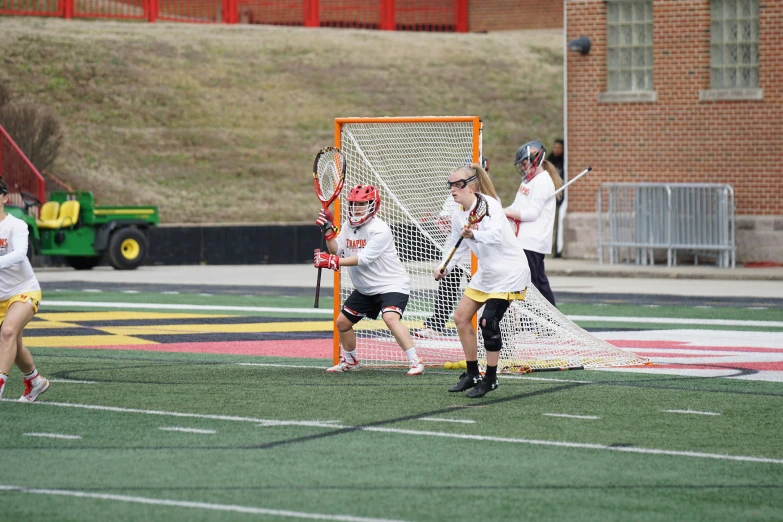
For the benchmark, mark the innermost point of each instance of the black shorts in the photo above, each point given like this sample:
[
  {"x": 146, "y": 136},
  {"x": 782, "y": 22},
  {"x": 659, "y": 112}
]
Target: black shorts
[{"x": 358, "y": 306}]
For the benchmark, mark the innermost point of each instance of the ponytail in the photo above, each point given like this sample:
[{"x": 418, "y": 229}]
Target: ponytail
[{"x": 556, "y": 179}]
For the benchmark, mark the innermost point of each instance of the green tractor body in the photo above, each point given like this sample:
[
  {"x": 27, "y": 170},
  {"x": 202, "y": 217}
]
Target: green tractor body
[{"x": 83, "y": 233}]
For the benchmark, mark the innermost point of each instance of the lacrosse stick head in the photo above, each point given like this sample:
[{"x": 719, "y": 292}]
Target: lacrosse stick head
[
  {"x": 480, "y": 210},
  {"x": 328, "y": 174}
]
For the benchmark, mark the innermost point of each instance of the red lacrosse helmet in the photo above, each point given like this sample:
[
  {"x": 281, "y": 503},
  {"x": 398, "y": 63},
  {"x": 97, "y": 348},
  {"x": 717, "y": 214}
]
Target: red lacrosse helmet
[{"x": 362, "y": 194}]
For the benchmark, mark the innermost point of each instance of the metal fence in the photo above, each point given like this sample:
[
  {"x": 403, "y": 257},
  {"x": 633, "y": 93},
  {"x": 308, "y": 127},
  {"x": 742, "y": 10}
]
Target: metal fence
[
  {"x": 637, "y": 219},
  {"x": 19, "y": 174}
]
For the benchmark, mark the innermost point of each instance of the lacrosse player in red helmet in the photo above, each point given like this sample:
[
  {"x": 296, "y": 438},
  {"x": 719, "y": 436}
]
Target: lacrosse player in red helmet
[
  {"x": 534, "y": 208},
  {"x": 382, "y": 285},
  {"x": 500, "y": 278}
]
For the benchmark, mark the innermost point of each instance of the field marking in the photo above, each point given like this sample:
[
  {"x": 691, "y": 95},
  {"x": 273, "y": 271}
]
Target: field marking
[
  {"x": 675, "y": 320},
  {"x": 567, "y": 416},
  {"x": 581, "y": 445},
  {"x": 54, "y": 436},
  {"x": 459, "y": 421},
  {"x": 692, "y": 412},
  {"x": 116, "y": 409},
  {"x": 70, "y": 381},
  {"x": 331, "y": 425},
  {"x": 193, "y": 505},
  {"x": 188, "y": 430},
  {"x": 149, "y": 306},
  {"x": 273, "y": 365},
  {"x": 321, "y": 311}
]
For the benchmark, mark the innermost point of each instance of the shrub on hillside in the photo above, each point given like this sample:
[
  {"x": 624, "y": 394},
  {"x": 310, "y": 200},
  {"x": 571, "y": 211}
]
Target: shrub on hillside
[{"x": 37, "y": 131}]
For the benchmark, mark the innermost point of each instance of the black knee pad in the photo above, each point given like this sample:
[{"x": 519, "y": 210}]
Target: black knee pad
[{"x": 490, "y": 323}]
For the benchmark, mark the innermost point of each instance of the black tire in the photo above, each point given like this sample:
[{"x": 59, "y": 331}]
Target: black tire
[
  {"x": 127, "y": 248},
  {"x": 83, "y": 262}
]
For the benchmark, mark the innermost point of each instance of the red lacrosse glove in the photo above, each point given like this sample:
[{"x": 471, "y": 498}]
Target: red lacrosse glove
[
  {"x": 326, "y": 221},
  {"x": 325, "y": 260}
]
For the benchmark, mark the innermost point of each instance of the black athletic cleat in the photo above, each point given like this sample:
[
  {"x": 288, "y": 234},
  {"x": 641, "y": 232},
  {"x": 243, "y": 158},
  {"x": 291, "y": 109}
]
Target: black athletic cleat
[
  {"x": 466, "y": 381},
  {"x": 483, "y": 387}
]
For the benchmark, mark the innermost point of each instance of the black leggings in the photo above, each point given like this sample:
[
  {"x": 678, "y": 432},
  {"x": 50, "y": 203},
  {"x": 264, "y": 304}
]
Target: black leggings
[
  {"x": 445, "y": 300},
  {"x": 538, "y": 276}
]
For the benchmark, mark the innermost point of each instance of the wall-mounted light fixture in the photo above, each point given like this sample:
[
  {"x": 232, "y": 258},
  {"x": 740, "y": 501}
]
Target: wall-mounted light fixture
[{"x": 580, "y": 45}]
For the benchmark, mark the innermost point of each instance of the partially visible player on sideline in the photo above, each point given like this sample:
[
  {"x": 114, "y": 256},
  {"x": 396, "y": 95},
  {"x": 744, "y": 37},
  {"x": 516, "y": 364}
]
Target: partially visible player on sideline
[
  {"x": 20, "y": 294},
  {"x": 502, "y": 277},
  {"x": 534, "y": 208},
  {"x": 381, "y": 283},
  {"x": 448, "y": 288}
]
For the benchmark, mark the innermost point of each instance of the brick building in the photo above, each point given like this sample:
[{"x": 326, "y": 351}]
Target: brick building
[
  {"x": 499, "y": 15},
  {"x": 678, "y": 91}
]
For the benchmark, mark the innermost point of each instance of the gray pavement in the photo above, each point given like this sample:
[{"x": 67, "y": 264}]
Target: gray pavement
[{"x": 566, "y": 275}]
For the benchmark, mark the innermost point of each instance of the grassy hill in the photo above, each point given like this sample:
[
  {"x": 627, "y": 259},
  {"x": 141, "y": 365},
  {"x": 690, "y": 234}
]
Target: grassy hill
[{"x": 220, "y": 123}]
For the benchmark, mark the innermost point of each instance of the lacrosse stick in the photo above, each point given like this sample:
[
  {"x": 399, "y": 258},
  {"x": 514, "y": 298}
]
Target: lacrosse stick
[
  {"x": 588, "y": 169},
  {"x": 527, "y": 369},
  {"x": 328, "y": 180},
  {"x": 479, "y": 212}
]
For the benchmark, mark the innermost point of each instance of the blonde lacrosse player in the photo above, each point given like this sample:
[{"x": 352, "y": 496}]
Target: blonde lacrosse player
[
  {"x": 382, "y": 285},
  {"x": 502, "y": 274},
  {"x": 20, "y": 294}
]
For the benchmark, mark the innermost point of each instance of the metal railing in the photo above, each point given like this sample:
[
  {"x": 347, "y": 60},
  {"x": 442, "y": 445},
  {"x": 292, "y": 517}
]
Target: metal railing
[{"x": 636, "y": 219}]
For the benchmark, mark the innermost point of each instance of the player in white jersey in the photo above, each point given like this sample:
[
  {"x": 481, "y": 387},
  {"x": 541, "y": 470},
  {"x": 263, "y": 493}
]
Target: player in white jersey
[
  {"x": 534, "y": 209},
  {"x": 381, "y": 283},
  {"x": 502, "y": 276},
  {"x": 20, "y": 295},
  {"x": 448, "y": 292}
]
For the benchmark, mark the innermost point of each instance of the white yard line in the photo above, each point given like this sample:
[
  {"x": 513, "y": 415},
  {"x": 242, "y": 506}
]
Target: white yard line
[
  {"x": 150, "y": 306},
  {"x": 282, "y": 365},
  {"x": 54, "y": 436},
  {"x": 567, "y": 416},
  {"x": 188, "y": 430},
  {"x": 321, "y": 311},
  {"x": 69, "y": 381},
  {"x": 193, "y": 505},
  {"x": 692, "y": 412},
  {"x": 649, "y": 451},
  {"x": 329, "y": 424},
  {"x": 459, "y": 421}
]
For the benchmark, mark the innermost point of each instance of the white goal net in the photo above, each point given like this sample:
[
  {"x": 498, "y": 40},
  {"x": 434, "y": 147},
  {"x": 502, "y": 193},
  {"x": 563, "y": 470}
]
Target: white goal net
[{"x": 409, "y": 160}]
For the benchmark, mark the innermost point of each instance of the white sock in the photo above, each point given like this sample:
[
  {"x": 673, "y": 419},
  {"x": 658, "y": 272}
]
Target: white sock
[
  {"x": 33, "y": 376},
  {"x": 350, "y": 356},
  {"x": 412, "y": 355}
]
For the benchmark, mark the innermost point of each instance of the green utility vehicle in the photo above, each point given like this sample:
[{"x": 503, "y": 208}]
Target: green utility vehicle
[{"x": 73, "y": 227}]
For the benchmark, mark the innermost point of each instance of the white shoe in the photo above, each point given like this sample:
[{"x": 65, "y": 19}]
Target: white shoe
[
  {"x": 31, "y": 392},
  {"x": 417, "y": 368},
  {"x": 344, "y": 366},
  {"x": 425, "y": 333}
]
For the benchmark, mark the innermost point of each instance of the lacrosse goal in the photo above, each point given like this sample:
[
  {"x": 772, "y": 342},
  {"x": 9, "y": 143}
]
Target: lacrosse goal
[{"x": 409, "y": 160}]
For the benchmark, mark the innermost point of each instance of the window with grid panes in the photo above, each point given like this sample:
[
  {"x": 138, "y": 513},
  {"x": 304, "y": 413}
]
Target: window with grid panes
[
  {"x": 629, "y": 60},
  {"x": 734, "y": 44}
]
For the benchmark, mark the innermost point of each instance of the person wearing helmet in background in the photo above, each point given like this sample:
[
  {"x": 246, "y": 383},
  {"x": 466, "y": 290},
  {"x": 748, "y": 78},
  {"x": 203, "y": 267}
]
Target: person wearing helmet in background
[
  {"x": 448, "y": 293},
  {"x": 382, "y": 285},
  {"x": 534, "y": 209}
]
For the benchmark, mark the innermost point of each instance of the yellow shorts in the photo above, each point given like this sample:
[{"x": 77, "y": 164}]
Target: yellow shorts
[
  {"x": 33, "y": 298},
  {"x": 483, "y": 297}
]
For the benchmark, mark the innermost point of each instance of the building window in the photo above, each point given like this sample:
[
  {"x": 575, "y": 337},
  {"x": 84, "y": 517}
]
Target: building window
[
  {"x": 734, "y": 39},
  {"x": 629, "y": 61}
]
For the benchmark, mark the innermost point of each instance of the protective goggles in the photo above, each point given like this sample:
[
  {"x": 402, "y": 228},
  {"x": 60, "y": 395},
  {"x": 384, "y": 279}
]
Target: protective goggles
[{"x": 461, "y": 183}]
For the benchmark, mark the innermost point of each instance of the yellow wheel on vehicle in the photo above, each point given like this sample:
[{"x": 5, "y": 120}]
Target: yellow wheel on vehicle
[{"x": 130, "y": 249}]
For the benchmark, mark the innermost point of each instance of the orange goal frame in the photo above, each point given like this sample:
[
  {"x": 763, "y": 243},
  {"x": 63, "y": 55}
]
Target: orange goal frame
[{"x": 338, "y": 126}]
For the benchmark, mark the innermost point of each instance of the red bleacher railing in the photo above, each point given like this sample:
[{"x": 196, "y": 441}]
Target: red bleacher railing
[
  {"x": 400, "y": 15},
  {"x": 18, "y": 172}
]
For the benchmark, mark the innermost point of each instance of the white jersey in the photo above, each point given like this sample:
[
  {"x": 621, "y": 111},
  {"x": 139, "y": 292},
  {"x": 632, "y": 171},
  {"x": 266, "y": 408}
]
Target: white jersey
[
  {"x": 16, "y": 273},
  {"x": 379, "y": 270},
  {"x": 536, "y": 208},
  {"x": 502, "y": 262}
]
